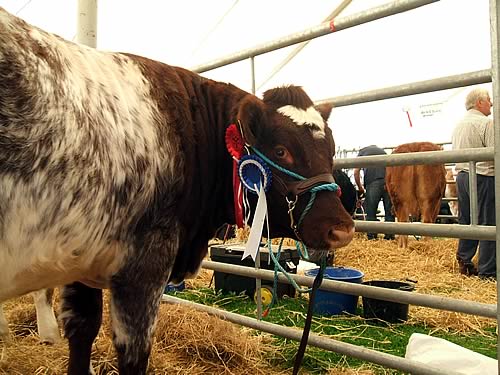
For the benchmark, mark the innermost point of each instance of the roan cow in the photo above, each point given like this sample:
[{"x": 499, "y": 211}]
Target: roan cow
[
  {"x": 114, "y": 173},
  {"x": 415, "y": 190}
]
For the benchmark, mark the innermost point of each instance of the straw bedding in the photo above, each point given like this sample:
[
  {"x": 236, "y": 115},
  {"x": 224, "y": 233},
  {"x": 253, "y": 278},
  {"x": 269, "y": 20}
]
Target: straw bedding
[
  {"x": 192, "y": 342},
  {"x": 187, "y": 342},
  {"x": 432, "y": 265}
]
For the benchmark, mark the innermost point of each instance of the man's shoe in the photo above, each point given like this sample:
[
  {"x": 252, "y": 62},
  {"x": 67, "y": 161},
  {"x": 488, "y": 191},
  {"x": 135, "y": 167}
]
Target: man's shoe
[
  {"x": 389, "y": 237},
  {"x": 490, "y": 277},
  {"x": 467, "y": 269}
]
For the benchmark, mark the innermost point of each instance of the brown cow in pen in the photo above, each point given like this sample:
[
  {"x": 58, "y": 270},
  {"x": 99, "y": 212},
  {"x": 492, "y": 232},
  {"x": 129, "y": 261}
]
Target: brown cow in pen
[{"x": 415, "y": 190}]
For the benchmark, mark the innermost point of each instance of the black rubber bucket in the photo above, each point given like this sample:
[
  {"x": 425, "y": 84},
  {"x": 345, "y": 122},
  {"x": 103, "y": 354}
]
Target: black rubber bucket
[{"x": 391, "y": 312}]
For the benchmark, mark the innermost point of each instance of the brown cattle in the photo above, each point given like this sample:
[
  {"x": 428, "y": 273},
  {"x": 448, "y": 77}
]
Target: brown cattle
[{"x": 415, "y": 190}]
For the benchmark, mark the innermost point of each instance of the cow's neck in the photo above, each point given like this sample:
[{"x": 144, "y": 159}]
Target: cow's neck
[
  {"x": 214, "y": 110},
  {"x": 208, "y": 203}
]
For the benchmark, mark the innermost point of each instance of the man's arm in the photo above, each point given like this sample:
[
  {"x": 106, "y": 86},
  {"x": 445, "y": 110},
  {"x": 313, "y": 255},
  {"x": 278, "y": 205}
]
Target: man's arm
[
  {"x": 489, "y": 140},
  {"x": 357, "y": 179}
]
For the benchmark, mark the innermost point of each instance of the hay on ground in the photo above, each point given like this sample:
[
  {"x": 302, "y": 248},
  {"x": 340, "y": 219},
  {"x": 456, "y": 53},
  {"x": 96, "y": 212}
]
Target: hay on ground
[
  {"x": 432, "y": 265},
  {"x": 187, "y": 342},
  {"x": 190, "y": 341}
]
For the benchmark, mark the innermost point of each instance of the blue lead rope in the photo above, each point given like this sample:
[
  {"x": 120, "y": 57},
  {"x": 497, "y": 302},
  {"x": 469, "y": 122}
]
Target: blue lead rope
[
  {"x": 277, "y": 267},
  {"x": 301, "y": 247}
]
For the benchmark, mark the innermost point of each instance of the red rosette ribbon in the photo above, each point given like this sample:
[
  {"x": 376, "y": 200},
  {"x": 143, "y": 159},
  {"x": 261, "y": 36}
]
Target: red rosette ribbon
[
  {"x": 234, "y": 141},
  {"x": 235, "y": 146}
]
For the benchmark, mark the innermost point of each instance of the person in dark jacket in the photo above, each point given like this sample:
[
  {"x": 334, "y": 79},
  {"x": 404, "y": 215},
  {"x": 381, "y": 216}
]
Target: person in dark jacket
[{"x": 374, "y": 189}]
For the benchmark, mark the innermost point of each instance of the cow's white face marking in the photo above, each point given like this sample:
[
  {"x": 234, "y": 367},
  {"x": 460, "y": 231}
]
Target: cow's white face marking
[{"x": 301, "y": 117}]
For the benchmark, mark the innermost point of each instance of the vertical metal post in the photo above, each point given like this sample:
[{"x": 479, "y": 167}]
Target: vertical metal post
[
  {"x": 495, "y": 70},
  {"x": 473, "y": 193},
  {"x": 258, "y": 282},
  {"x": 86, "y": 32},
  {"x": 252, "y": 72},
  {"x": 258, "y": 287}
]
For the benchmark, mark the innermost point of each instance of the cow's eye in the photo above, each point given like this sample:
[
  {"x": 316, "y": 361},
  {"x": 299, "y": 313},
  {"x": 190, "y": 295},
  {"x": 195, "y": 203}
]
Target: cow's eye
[{"x": 280, "y": 152}]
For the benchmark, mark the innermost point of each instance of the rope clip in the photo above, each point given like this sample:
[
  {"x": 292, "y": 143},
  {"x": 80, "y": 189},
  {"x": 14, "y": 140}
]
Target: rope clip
[{"x": 291, "y": 207}]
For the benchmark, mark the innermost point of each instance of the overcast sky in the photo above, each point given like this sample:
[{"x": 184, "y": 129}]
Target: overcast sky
[{"x": 445, "y": 38}]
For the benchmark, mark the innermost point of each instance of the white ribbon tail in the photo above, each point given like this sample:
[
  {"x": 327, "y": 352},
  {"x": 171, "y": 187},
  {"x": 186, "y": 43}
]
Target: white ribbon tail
[{"x": 253, "y": 244}]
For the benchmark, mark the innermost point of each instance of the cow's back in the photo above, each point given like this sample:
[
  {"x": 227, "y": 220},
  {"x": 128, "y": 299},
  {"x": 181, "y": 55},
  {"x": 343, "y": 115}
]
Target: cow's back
[{"x": 83, "y": 149}]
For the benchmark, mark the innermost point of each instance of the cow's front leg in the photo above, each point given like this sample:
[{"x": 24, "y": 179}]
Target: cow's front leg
[
  {"x": 46, "y": 321},
  {"x": 4, "y": 326},
  {"x": 81, "y": 314},
  {"x": 135, "y": 297}
]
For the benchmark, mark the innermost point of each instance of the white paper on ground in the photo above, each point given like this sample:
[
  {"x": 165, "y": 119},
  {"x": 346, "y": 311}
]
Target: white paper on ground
[{"x": 446, "y": 355}]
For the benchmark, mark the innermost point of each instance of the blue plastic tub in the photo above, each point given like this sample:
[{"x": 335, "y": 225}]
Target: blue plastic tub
[
  {"x": 333, "y": 303},
  {"x": 175, "y": 288}
]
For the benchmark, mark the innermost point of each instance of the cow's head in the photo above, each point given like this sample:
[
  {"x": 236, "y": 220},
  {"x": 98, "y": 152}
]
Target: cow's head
[{"x": 289, "y": 131}]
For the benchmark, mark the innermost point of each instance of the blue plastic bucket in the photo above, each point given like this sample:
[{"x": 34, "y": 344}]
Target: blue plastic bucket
[
  {"x": 175, "y": 288},
  {"x": 333, "y": 303}
]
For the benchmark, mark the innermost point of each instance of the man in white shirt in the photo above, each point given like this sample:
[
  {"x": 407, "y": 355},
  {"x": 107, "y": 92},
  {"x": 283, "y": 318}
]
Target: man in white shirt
[{"x": 473, "y": 131}]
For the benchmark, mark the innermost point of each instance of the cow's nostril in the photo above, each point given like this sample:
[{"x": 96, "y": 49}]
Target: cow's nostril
[{"x": 339, "y": 238}]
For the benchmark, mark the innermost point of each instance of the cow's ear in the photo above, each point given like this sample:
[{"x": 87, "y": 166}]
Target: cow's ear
[
  {"x": 251, "y": 115},
  {"x": 325, "y": 110}
]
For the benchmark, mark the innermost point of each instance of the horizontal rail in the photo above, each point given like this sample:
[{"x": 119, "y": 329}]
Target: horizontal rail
[
  {"x": 383, "y": 215},
  {"x": 472, "y": 232},
  {"x": 383, "y": 359},
  {"x": 413, "y": 88},
  {"x": 325, "y": 28},
  {"x": 442, "y": 303},
  {"x": 425, "y": 157}
]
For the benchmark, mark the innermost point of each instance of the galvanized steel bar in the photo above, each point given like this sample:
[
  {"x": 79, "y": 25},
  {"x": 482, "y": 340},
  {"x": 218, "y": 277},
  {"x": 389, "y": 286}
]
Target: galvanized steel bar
[
  {"x": 473, "y": 232},
  {"x": 316, "y": 340},
  {"x": 355, "y": 151},
  {"x": 317, "y": 31},
  {"x": 495, "y": 72},
  {"x": 413, "y": 88},
  {"x": 438, "y": 216},
  {"x": 449, "y": 199},
  {"x": 258, "y": 289},
  {"x": 338, "y": 9},
  {"x": 473, "y": 193},
  {"x": 427, "y": 157},
  {"x": 252, "y": 73},
  {"x": 86, "y": 30},
  {"x": 437, "y": 302}
]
